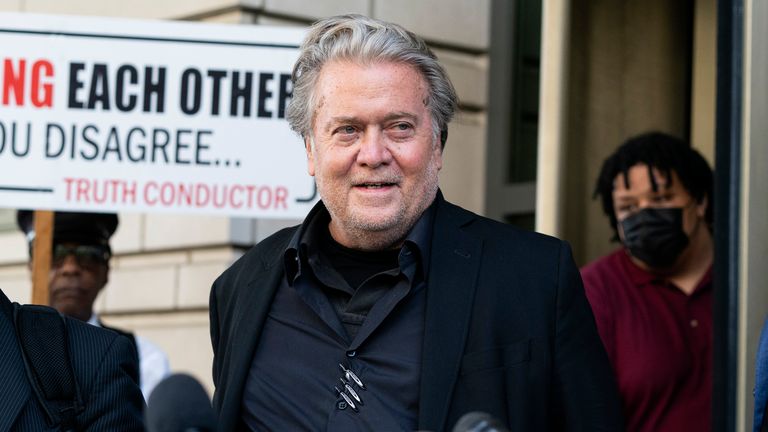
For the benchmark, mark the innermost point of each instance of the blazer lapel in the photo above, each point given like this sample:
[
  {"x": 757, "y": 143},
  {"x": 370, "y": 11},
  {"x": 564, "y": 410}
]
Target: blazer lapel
[
  {"x": 248, "y": 318},
  {"x": 453, "y": 268},
  {"x": 15, "y": 391}
]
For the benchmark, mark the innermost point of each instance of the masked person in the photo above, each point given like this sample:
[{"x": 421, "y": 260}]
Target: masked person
[
  {"x": 80, "y": 270},
  {"x": 652, "y": 298}
]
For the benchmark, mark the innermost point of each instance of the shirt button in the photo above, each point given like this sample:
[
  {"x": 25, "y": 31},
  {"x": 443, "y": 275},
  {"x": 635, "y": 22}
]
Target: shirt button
[
  {"x": 341, "y": 405},
  {"x": 694, "y": 323},
  {"x": 351, "y": 353}
]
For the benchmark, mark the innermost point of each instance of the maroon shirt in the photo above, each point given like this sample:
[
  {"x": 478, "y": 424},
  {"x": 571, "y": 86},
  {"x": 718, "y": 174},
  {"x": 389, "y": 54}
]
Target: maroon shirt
[{"x": 659, "y": 341}]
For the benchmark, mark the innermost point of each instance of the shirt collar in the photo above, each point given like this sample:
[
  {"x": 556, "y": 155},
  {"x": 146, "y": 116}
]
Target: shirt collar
[
  {"x": 637, "y": 275},
  {"x": 641, "y": 277},
  {"x": 291, "y": 257},
  {"x": 418, "y": 240},
  {"x": 94, "y": 320}
]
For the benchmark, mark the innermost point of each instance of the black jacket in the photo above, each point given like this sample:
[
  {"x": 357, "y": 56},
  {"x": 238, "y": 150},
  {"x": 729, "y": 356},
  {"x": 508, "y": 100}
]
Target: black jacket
[
  {"x": 508, "y": 330},
  {"x": 105, "y": 368}
]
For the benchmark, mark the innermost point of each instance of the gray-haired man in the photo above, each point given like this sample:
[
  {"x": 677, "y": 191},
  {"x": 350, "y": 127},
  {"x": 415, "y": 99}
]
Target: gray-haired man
[{"x": 389, "y": 308}]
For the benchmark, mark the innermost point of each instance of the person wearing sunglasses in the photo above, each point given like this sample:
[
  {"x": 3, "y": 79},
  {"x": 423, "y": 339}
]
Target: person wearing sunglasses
[{"x": 80, "y": 271}]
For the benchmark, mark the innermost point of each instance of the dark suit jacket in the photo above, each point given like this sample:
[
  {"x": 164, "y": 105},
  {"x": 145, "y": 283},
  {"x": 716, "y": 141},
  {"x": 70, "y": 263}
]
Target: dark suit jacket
[
  {"x": 508, "y": 330},
  {"x": 105, "y": 368}
]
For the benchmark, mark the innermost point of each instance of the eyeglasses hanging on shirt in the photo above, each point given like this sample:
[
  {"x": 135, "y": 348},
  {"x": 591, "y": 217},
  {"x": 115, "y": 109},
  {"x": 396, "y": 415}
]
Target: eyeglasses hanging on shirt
[{"x": 346, "y": 391}]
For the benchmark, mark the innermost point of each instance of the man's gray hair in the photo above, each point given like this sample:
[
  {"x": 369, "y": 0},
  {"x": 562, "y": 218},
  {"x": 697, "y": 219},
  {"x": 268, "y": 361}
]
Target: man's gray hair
[{"x": 365, "y": 41}]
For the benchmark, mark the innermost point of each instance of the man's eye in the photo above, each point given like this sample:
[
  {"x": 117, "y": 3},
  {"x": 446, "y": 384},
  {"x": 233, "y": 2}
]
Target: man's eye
[
  {"x": 346, "y": 130},
  {"x": 401, "y": 130},
  {"x": 402, "y": 127}
]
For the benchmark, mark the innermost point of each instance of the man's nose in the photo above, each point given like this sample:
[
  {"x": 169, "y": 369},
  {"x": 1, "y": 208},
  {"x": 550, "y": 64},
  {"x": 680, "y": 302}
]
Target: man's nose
[
  {"x": 373, "y": 150},
  {"x": 646, "y": 203}
]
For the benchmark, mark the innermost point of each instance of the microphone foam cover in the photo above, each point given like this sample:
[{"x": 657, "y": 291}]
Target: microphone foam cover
[
  {"x": 179, "y": 403},
  {"x": 477, "y": 421}
]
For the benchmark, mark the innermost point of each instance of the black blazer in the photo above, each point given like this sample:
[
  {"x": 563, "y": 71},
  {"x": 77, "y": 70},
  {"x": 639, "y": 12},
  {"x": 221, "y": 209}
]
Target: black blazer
[
  {"x": 508, "y": 330},
  {"x": 105, "y": 368}
]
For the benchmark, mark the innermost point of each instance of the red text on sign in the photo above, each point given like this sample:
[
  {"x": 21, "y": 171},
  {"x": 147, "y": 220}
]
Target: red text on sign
[{"x": 14, "y": 82}]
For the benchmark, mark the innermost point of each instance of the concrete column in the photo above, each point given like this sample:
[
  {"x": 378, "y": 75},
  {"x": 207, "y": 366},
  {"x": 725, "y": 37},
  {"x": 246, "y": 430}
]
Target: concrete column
[
  {"x": 553, "y": 104},
  {"x": 753, "y": 237}
]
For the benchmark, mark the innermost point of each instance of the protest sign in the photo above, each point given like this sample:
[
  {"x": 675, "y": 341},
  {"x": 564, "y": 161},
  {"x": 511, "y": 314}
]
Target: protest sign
[{"x": 101, "y": 114}]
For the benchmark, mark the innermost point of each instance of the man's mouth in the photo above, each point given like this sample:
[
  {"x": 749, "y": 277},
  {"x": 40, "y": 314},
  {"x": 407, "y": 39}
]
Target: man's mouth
[
  {"x": 375, "y": 185},
  {"x": 66, "y": 291}
]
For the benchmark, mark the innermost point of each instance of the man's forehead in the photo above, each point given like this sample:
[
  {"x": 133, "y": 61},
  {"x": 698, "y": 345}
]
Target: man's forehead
[
  {"x": 350, "y": 92},
  {"x": 642, "y": 179},
  {"x": 343, "y": 72}
]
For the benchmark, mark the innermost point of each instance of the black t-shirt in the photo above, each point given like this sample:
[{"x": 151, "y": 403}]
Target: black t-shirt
[{"x": 356, "y": 266}]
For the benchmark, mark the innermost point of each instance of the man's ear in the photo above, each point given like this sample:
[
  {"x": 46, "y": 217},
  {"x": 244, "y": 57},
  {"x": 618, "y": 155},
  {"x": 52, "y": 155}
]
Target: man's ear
[
  {"x": 439, "y": 157},
  {"x": 701, "y": 207},
  {"x": 106, "y": 276},
  {"x": 310, "y": 155}
]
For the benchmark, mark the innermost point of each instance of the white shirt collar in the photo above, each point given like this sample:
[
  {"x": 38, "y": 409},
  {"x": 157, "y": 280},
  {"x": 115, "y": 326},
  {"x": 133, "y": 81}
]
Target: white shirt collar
[{"x": 94, "y": 320}]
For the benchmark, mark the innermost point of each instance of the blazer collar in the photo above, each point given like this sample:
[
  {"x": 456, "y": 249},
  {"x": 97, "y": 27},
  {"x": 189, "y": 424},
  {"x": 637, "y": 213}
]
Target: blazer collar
[
  {"x": 454, "y": 266},
  {"x": 248, "y": 318},
  {"x": 15, "y": 389}
]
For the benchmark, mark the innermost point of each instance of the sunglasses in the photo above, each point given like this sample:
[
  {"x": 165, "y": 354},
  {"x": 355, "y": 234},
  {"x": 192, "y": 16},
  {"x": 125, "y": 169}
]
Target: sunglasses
[{"x": 86, "y": 256}]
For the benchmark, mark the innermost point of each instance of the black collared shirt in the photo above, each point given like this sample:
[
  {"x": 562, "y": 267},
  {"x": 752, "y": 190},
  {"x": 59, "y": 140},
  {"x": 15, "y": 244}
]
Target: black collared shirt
[{"x": 334, "y": 356}]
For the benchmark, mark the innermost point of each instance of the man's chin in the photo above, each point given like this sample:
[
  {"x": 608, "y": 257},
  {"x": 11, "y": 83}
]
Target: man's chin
[
  {"x": 69, "y": 305},
  {"x": 375, "y": 220},
  {"x": 375, "y": 232}
]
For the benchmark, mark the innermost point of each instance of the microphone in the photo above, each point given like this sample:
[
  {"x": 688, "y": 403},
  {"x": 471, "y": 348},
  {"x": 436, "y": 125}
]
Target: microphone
[
  {"x": 477, "y": 421},
  {"x": 179, "y": 403}
]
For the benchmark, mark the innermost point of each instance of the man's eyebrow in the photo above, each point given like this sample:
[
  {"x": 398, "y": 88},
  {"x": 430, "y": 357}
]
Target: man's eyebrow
[
  {"x": 400, "y": 115},
  {"x": 343, "y": 119},
  {"x": 333, "y": 121},
  {"x": 356, "y": 120},
  {"x": 623, "y": 197}
]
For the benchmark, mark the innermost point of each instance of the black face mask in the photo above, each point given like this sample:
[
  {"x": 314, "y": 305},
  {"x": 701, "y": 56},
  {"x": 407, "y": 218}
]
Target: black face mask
[{"x": 655, "y": 236}]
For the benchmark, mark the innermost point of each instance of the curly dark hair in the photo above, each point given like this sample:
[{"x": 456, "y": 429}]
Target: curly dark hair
[{"x": 665, "y": 153}]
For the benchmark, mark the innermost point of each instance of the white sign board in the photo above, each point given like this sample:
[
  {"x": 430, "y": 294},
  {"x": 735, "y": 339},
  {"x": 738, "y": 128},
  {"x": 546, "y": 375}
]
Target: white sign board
[{"x": 122, "y": 115}]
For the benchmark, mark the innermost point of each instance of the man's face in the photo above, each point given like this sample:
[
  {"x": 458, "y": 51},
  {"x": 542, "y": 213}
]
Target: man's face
[
  {"x": 373, "y": 151},
  {"x": 76, "y": 277},
  {"x": 640, "y": 195}
]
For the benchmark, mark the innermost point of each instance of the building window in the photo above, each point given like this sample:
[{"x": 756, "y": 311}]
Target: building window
[
  {"x": 524, "y": 116},
  {"x": 513, "y": 111}
]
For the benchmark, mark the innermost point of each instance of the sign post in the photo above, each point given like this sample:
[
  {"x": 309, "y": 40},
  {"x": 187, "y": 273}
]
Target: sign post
[{"x": 41, "y": 256}]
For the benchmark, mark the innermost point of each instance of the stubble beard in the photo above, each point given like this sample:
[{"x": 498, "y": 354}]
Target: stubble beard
[{"x": 367, "y": 233}]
